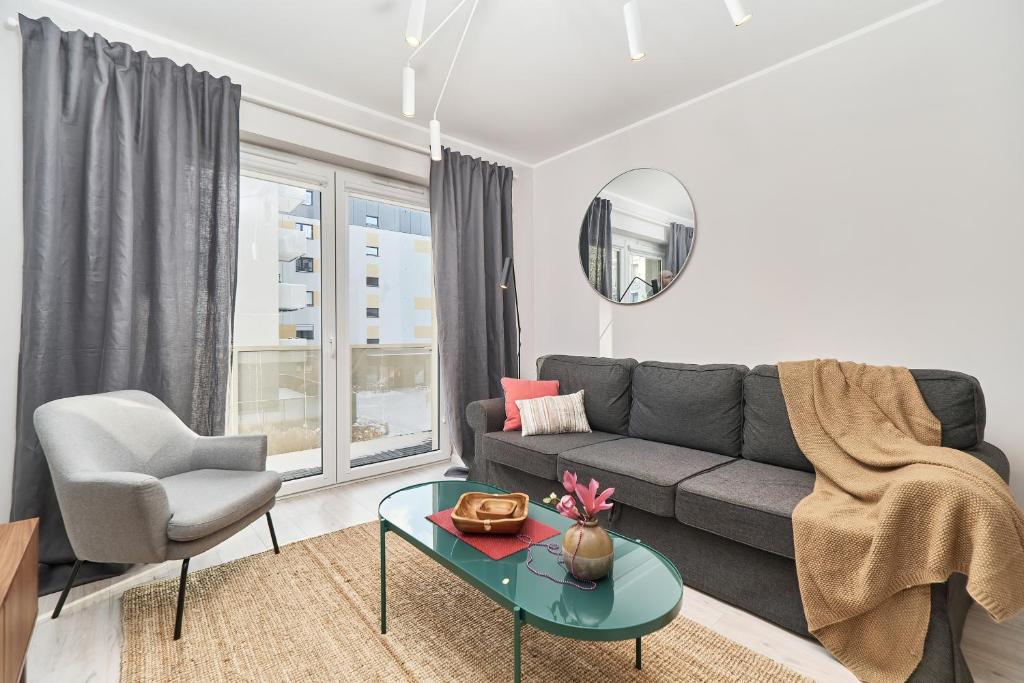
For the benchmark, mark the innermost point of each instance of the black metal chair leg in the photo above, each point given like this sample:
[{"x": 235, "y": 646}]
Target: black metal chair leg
[
  {"x": 273, "y": 536},
  {"x": 181, "y": 598},
  {"x": 67, "y": 589}
]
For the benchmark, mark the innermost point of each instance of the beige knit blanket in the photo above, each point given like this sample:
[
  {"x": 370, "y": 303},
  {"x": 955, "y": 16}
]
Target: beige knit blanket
[{"x": 891, "y": 513}]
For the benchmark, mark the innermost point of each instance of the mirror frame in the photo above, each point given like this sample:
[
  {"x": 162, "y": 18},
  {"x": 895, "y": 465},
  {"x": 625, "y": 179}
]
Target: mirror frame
[{"x": 689, "y": 255}]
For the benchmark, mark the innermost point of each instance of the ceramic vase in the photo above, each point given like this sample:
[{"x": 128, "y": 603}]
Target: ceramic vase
[{"x": 587, "y": 551}]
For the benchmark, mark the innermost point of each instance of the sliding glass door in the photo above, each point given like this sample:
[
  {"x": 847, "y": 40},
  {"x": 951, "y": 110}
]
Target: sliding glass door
[{"x": 334, "y": 322}]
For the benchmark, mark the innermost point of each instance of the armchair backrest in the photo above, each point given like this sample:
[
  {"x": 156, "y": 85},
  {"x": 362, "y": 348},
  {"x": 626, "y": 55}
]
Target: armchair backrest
[{"x": 119, "y": 431}]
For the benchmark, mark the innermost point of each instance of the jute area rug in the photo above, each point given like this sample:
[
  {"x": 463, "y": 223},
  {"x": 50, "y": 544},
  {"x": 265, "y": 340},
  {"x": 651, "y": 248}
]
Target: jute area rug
[{"x": 311, "y": 614}]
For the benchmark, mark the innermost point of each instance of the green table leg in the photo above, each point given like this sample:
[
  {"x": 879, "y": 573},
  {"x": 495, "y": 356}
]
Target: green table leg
[
  {"x": 383, "y": 580},
  {"x": 639, "y": 662},
  {"x": 517, "y": 626}
]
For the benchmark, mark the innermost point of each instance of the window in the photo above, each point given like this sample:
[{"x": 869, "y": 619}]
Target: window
[
  {"x": 372, "y": 221},
  {"x": 304, "y": 332},
  {"x": 304, "y": 264},
  {"x": 372, "y": 312},
  {"x": 373, "y": 251},
  {"x": 310, "y": 299},
  {"x": 307, "y": 199},
  {"x": 306, "y": 229},
  {"x": 373, "y": 340},
  {"x": 372, "y": 281}
]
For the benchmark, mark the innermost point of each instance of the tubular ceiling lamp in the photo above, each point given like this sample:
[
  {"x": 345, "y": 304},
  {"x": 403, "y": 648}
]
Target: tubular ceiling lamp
[
  {"x": 634, "y": 30},
  {"x": 739, "y": 15},
  {"x": 435, "y": 140},
  {"x": 408, "y": 92},
  {"x": 414, "y": 26}
]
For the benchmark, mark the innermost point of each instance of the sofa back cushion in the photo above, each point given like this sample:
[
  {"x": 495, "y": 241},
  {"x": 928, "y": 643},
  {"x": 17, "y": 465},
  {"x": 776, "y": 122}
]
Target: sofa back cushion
[
  {"x": 953, "y": 397},
  {"x": 697, "y": 406},
  {"x": 605, "y": 383}
]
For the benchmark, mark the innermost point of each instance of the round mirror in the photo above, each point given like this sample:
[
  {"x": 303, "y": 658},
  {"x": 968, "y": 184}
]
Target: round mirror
[{"x": 637, "y": 235}]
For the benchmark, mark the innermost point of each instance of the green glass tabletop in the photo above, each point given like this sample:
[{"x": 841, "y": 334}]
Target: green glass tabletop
[{"x": 642, "y": 594}]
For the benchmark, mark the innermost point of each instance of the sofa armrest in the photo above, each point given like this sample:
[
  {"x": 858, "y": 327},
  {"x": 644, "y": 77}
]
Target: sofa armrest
[
  {"x": 993, "y": 457},
  {"x": 115, "y": 516},
  {"x": 243, "y": 452},
  {"x": 486, "y": 416}
]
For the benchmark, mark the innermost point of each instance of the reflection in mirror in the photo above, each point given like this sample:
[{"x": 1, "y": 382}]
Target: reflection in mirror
[{"x": 637, "y": 235}]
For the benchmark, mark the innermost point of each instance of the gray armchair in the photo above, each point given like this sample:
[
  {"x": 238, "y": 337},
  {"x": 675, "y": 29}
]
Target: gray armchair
[{"x": 135, "y": 485}]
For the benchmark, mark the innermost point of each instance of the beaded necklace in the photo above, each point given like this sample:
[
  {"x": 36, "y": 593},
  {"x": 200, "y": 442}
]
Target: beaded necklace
[{"x": 556, "y": 550}]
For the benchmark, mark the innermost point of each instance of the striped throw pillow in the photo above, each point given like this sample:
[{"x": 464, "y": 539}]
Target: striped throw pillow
[{"x": 553, "y": 414}]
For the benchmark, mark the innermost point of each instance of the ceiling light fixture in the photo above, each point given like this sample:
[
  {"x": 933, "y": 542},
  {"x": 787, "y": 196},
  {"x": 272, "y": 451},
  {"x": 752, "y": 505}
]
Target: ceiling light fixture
[
  {"x": 414, "y": 26},
  {"x": 409, "y": 74},
  {"x": 739, "y": 15},
  {"x": 408, "y": 92},
  {"x": 634, "y": 30}
]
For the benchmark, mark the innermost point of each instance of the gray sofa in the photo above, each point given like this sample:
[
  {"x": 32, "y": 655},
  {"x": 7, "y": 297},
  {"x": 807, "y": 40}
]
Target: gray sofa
[{"x": 707, "y": 470}]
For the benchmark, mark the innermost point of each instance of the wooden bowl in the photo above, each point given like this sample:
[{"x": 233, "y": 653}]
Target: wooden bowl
[{"x": 488, "y": 513}]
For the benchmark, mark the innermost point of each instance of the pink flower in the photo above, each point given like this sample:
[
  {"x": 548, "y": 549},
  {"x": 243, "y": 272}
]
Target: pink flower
[
  {"x": 569, "y": 481},
  {"x": 567, "y": 507}
]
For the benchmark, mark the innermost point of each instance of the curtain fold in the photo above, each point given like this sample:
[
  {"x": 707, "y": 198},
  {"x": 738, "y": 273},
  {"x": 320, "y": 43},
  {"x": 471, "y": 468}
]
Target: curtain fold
[
  {"x": 680, "y": 239},
  {"x": 478, "y": 334},
  {"x": 131, "y": 171},
  {"x": 596, "y": 245}
]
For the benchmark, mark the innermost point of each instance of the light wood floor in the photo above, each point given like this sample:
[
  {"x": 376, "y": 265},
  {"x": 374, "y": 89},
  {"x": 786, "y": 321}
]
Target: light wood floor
[{"x": 85, "y": 643}]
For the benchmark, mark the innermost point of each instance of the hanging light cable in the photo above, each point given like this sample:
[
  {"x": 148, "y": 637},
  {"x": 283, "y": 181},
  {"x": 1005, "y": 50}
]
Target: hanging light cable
[
  {"x": 435, "y": 125},
  {"x": 739, "y": 15},
  {"x": 634, "y": 30}
]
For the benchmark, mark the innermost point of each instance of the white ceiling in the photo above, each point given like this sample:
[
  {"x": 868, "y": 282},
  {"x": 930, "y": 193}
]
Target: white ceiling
[{"x": 537, "y": 77}]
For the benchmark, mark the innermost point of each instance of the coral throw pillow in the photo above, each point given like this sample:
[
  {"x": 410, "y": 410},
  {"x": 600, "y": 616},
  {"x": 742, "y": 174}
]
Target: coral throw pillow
[{"x": 520, "y": 390}]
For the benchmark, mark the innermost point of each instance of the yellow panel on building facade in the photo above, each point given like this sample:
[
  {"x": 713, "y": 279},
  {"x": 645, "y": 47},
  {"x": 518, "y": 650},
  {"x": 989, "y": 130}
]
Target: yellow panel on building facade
[
  {"x": 373, "y": 331},
  {"x": 286, "y": 331},
  {"x": 372, "y": 270},
  {"x": 424, "y": 303},
  {"x": 373, "y": 300},
  {"x": 422, "y": 246},
  {"x": 316, "y": 265},
  {"x": 423, "y": 332},
  {"x": 316, "y": 298},
  {"x": 372, "y": 238}
]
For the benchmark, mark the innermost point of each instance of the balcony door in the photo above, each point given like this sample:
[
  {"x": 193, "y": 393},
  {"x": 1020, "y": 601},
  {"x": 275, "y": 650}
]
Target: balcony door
[
  {"x": 388, "y": 339},
  {"x": 333, "y": 353}
]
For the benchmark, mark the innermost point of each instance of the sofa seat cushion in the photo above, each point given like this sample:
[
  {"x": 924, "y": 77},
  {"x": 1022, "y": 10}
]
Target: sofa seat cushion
[
  {"x": 749, "y": 502},
  {"x": 205, "y": 501},
  {"x": 644, "y": 473},
  {"x": 536, "y": 454}
]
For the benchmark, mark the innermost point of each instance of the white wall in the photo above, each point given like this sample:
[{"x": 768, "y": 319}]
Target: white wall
[
  {"x": 865, "y": 203},
  {"x": 264, "y": 124}
]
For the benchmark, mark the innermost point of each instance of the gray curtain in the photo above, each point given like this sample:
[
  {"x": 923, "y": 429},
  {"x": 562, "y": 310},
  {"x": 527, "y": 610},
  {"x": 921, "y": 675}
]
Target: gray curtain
[
  {"x": 478, "y": 334},
  {"x": 131, "y": 229},
  {"x": 680, "y": 239},
  {"x": 596, "y": 245}
]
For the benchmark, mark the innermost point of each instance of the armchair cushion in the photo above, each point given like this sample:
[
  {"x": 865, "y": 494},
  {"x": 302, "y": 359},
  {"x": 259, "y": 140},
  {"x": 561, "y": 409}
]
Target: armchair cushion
[{"x": 203, "y": 502}]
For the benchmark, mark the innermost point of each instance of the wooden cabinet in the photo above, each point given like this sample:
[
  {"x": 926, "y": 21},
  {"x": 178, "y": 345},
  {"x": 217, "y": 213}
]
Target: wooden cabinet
[{"x": 19, "y": 558}]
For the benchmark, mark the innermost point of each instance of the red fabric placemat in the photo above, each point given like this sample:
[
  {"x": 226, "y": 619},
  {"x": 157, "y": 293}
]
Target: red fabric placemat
[{"x": 496, "y": 546}]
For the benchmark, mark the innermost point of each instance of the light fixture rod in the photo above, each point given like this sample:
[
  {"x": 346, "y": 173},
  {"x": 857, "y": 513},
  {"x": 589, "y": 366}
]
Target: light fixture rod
[
  {"x": 433, "y": 33},
  {"x": 455, "y": 57}
]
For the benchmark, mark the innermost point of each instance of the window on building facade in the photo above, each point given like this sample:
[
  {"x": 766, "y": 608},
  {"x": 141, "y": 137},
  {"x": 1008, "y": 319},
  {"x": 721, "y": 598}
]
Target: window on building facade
[
  {"x": 372, "y": 281},
  {"x": 307, "y": 199},
  {"x": 304, "y": 264},
  {"x": 372, "y": 221},
  {"x": 310, "y": 299},
  {"x": 306, "y": 229},
  {"x": 304, "y": 332},
  {"x": 372, "y": 312},
  {"x": 373, "y": 251},
  {"x": 373, "y": 340}
]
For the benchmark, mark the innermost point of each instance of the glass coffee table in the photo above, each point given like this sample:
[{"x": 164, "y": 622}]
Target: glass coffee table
[{"x": 643, "y": 593}]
